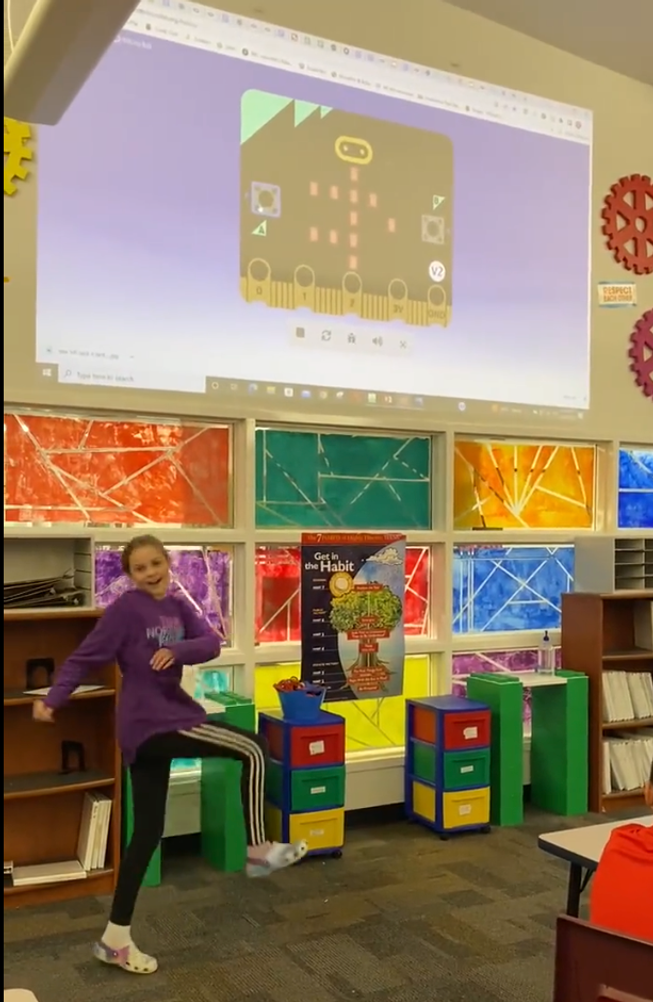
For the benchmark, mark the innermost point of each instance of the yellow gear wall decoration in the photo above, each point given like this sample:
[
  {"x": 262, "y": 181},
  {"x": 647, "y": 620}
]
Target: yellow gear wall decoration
[{"x": 17, "y": 136}]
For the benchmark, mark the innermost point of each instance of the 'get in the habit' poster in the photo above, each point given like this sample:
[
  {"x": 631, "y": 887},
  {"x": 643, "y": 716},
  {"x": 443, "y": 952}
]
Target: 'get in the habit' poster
[{"x": 352, "y": 601}]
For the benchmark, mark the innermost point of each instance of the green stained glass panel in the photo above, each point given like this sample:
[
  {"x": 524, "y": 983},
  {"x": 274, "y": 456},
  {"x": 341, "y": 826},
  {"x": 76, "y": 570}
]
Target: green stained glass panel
[{"x": 310, "y": 480}]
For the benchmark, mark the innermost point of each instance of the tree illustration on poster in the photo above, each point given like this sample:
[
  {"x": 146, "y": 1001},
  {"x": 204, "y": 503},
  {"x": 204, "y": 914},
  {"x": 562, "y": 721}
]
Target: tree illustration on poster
[
  {"x": 352, "y": 610},
  {"x": 367, "y": 607}
]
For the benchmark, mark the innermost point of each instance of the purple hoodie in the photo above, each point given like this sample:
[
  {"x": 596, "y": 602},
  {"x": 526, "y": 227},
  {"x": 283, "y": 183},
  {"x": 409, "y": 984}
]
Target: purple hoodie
[{"x": 129, "y": 632}]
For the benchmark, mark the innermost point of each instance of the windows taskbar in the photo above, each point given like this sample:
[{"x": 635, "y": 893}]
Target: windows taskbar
[
  {"x": 321, "y": 396},
  {"x": 313, "y": 398}
]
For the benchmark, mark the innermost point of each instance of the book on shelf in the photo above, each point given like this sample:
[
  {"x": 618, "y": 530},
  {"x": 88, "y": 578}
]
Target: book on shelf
[
  {"x": 627, "y": 758},
  {"x": 47, "y": 873},
  {"x": 81, "y": 690},
  {"x": 94, "y": 831},
  {"x": 627, "y": 696}
]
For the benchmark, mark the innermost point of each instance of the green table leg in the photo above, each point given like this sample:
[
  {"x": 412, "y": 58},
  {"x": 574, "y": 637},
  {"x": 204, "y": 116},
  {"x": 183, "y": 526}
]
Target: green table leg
[
  {"x": 505, "y": 697},
  {"x": 559, "y": 746}
]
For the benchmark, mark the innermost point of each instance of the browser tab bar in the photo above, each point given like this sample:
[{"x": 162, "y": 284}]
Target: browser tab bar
[{"x": 246, "y": 38}]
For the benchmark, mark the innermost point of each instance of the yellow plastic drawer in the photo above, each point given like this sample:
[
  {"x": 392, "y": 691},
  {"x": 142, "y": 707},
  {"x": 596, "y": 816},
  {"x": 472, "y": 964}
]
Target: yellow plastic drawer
[
  {"x": 321, "y": 829},
  {"x": 424, "y": 801},
  {"x": 274, "y": 823},
  {"x": 466, "y": 807}
]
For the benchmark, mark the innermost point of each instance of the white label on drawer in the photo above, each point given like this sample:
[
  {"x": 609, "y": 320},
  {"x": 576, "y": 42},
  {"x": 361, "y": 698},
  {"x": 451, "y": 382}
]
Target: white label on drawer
[
  {"x": 467, "y": 768},
  {"x": 465, "y": 809},
  {"x": 318, "y": 789},
  {"x": 316, "y": 748},
  {"x": 470, "y": 733},
  {"x": 316, "y": 832}
]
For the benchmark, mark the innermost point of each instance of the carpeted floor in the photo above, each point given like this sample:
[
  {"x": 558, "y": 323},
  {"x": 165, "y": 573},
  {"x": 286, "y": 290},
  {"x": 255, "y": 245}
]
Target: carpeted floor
[{"x": 402, "y": 917}]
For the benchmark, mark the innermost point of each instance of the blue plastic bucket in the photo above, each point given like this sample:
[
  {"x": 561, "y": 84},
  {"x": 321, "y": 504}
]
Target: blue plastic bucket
[{"x": 302, "y": 706}]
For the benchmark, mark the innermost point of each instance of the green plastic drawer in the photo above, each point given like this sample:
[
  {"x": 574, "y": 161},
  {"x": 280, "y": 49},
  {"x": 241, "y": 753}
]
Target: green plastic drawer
[
  {"x": 307, "y": 789},
  {"x": 274, "y": 782},
  {"x": 464, "y": 770},
  {"x": 315, "y": 789},
  {"x": 424, "y": 761}
]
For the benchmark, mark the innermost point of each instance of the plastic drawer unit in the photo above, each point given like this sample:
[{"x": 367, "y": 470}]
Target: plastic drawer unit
[
  {"x": 447, "y": 771},
  {"x": 305, "y": 786}
]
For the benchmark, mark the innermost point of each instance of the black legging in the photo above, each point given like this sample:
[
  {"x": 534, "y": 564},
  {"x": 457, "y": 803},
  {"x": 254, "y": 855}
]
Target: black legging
[{"x": 150, "y": 776}]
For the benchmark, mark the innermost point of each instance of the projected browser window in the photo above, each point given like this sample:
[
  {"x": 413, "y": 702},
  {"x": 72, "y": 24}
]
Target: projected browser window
[{"x": 232, "y": 205}]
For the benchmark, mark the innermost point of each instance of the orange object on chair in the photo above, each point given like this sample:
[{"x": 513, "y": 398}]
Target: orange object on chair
[{"x": 622, "y": 891}]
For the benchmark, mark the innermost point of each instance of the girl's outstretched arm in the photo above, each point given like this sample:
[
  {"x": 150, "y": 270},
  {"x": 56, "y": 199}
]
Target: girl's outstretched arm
[{"x": 97, "y": 650}]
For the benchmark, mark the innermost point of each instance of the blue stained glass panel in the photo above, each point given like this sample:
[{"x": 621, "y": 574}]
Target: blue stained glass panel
[
  {"x": 635, "y": 489},
  {"x": 504, "y": 588}
]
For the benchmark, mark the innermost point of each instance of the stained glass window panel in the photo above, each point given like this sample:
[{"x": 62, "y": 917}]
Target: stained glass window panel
[
  {"x": 502, "y": 588},
  {"x": 201, "y": 574},
  {"x": 472, "y": 662},
  {"x": 308, "y": 479},
  {"x": 371, "y": 724},
  {"x": 523, "y": 485},
  {"x": 636, "y": 488},
  {"x": 278, "y": 571},
  {"x": 95, "y": 471}
]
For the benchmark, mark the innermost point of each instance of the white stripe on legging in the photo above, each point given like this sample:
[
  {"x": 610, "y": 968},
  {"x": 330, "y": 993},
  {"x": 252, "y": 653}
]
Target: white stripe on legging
[{"x": 247, "y": 747}]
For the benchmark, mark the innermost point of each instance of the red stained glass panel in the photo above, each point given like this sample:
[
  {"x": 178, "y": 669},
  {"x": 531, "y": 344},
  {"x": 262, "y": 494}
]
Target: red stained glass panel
[
  {"x": 277, "y": 593},
  {"x": 102, "y": 472}
]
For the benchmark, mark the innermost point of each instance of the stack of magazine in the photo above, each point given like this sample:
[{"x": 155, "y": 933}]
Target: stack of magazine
[
  {"x": 627, "y": 758},
  {"x": 627, "y": 754},
  {"x": 627, "y": 696},
  {"x": 41, "y": 593}
]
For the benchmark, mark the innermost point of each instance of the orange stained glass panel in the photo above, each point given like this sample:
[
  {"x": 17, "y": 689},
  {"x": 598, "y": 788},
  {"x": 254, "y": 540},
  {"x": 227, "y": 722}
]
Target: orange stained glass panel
[
  {"x": 96, "y": 471},
  {"x": 523, "y": 485}
]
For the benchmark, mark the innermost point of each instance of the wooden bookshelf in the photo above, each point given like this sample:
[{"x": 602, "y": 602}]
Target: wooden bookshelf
[
  {"x": 42, "y": 804},
  {"x": 598, "y": 634}
]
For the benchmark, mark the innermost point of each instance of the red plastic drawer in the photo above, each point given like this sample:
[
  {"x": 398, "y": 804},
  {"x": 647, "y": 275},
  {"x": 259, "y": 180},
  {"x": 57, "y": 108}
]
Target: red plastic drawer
[
  {"x": 319, "y": 745},
  {"x": 274, "y": 732},
  {"x": 424, "y": 724},
  {"x": 466, "y": 730}
]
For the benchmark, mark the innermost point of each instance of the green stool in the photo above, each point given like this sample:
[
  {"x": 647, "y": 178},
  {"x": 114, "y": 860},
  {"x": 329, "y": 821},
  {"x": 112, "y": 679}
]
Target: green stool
[
  {"x": 224, "y": 842},
  {"x": 505, "y": 697}
]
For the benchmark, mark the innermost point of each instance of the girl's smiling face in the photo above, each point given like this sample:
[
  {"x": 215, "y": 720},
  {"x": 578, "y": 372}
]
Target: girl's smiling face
[{"x": 149, "y": 569}]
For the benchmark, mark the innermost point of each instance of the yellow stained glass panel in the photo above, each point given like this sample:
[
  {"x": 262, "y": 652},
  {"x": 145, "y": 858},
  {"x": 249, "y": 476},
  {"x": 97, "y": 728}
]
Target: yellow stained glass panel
[
  {"x": 371, "y": 723},
  {"x": 523, "y": 485}
]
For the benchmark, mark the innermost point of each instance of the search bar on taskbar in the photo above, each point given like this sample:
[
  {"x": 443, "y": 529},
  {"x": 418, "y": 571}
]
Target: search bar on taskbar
[{"x": 133, "y": 379}]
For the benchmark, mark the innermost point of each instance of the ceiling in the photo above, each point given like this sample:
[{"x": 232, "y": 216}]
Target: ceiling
[{"x": 617, "y": 35}]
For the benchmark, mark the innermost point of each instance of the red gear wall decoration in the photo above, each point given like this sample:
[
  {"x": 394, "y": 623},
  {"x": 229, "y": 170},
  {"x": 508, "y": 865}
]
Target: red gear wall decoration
[
  {"x": 628, "y": 223},
  {"x": 641, "y": 353}
]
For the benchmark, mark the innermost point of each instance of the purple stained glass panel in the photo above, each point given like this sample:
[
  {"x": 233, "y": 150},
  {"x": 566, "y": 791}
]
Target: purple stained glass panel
[
  {"x": 200, "y": 573},
  {"x": 473, "y": 662}
]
